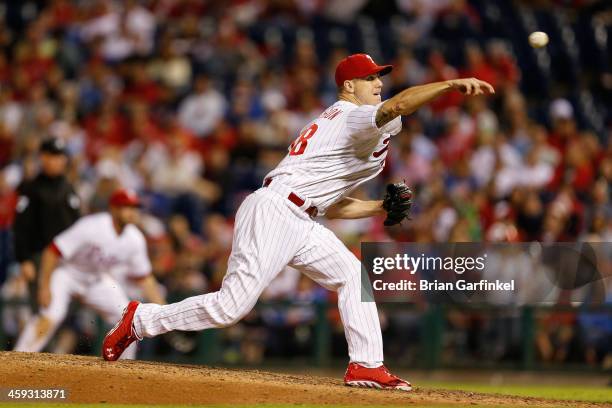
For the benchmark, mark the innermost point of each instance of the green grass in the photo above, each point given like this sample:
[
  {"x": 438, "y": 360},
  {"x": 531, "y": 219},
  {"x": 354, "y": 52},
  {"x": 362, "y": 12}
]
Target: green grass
[{"x": 582, "y": 393}]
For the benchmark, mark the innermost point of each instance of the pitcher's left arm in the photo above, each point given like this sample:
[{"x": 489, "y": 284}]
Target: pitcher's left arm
[{"x": 352, "y": 208}]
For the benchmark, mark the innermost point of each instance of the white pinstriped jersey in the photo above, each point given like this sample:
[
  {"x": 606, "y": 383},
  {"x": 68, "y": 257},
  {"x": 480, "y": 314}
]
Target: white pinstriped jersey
[
  {"x": 333, "y": 154},
  {"x": 92, "y": 246},
  {"x": 336, "y": 152}
]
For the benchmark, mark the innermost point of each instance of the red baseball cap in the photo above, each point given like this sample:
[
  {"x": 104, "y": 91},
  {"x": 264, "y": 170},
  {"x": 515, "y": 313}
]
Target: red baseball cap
[
  {"x": 124, "y": 198},
  {"x": 359, "y": 66}
]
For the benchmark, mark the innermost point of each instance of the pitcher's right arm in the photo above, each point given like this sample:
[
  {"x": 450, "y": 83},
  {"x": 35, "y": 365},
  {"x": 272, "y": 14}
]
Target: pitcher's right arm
[{"x": 411, "y": 99}]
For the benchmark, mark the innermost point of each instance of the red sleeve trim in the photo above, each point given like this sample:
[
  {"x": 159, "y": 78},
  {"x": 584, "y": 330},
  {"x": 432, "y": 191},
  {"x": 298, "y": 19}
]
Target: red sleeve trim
[{"x": 53, "y": 248}]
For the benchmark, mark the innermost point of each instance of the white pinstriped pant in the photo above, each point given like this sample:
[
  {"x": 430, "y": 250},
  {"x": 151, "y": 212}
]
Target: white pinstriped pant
[
  {"x": 103, "y": 294},
  {"x": 271, "y": 232}
]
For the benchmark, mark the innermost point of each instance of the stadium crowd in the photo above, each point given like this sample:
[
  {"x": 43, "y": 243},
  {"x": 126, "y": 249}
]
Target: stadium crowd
[{"x": 192, "y": 102}]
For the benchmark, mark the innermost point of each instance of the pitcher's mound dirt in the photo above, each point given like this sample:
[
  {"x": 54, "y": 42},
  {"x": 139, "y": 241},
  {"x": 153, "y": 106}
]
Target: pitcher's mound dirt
[{"x": 92, "y": 380}]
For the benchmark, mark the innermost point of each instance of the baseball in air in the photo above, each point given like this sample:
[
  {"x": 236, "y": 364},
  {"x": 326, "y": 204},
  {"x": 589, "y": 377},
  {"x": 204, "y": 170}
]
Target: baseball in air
[{"x": 538, "y": 39}]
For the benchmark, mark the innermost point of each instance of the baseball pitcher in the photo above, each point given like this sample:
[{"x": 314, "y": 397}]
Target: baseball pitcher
[{"x": 342, "y": 148}]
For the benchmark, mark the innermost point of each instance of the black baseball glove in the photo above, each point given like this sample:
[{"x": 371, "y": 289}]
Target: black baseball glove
[{"x": 397, "y": 203}]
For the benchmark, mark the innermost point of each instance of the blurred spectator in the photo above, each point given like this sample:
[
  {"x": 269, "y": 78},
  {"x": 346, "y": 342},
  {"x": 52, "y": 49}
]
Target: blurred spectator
[
  {"x": 8, "y": 201},
  {"x": 189, "y": 254},
  {"x": 455, "y": 24},
  {"x": 477, "y": 66},
  {"x": 172, "y": 69},
  {"x": 201, "y": 111},
  {"x": 440, "y": 70},
  {"x": 530, "y": 216},
  {"x": 121, "y": 32}
]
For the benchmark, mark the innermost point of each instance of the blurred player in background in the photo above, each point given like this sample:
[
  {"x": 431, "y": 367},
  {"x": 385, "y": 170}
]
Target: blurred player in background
[
  {"x": 46, "y": 206},
  {"x": 78, "y": 264}
]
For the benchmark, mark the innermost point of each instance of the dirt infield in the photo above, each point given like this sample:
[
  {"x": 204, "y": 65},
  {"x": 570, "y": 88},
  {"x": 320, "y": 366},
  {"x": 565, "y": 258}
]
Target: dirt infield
[{"x": 92, "y": 380}]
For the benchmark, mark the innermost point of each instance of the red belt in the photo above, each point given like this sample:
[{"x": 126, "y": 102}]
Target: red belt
[{"x": 295, "y": 199}]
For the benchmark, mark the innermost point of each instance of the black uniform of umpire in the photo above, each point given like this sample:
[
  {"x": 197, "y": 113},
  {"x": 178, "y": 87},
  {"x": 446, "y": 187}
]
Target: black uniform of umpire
[{"x": 46, "y": 206}]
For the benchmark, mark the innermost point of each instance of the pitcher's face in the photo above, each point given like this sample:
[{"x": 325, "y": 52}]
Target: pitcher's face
[{"x": 368, "y": 90}]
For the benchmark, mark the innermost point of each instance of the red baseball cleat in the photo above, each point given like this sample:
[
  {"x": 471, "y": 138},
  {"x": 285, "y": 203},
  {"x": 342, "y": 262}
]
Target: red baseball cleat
[
  {"x": 120, "y": 336},
  {"x": 360, "y": 376}
]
